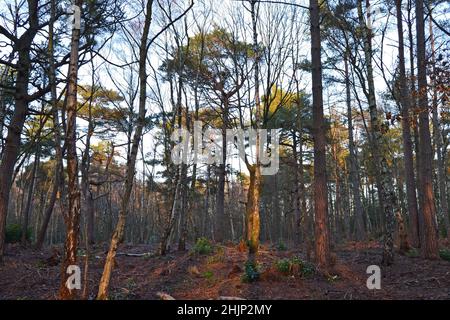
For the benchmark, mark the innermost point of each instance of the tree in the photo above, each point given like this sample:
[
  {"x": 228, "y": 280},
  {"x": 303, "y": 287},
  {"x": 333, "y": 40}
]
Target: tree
[
  {"x": 406, "y": 132},
  {"x": 131, "y": 161},
  {"x": 429, "y": 248},
  {"x": 22, "y": 98},
  {"x": 72, "y": 216},
  {"x": 322, "y": 245},
  {"x": 383, "y": 172}
]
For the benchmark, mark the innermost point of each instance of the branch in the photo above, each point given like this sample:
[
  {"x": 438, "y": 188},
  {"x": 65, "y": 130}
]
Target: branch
[
  {"x": 170, "y": 24},
  {"x": 278, "y": 2},
  {"x": 7, "y": 34},
  {"x": 440, "y": 27}
]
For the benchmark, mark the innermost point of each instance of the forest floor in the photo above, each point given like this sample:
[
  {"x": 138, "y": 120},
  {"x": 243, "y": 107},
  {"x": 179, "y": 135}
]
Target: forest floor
[{"x": 29, "y": 274}]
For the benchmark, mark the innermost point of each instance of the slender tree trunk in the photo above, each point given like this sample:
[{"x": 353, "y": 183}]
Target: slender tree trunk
[
  {"x": 28, "y": 207},
  {"x": 72, "y": 216},
  {"x": 416, "y": 227},
  {"x": 360, "y": 231},
  {"x": 322, "y": 248},
  {"x": 254, "y": 191},
  {"x": 183, "y": 209},
  {"x": 406, "y": 133},
  {"x": 252, "y": 210},
  {"x": 220, "y": 196},
  {"x": 437, "y": 136},
  {"x": 56, "y": 132},
  {"x": 430, "y": 245},
  {"x": 131, "y": 161},
  {"x": 88, "y": 201},
  {"x": 384, "y": 181}
]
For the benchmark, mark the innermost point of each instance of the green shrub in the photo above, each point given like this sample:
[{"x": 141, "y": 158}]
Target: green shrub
[
  {"x": 444, "y": 254},
  {"x": 13, "y": 233},
  {"x": 283, "y": 265},
  {"x": 203, "y": 246},
  {"x": 251, "y": 272},
  {"x": 295, "y": 265},
  {"x": 281, "y": 246}
]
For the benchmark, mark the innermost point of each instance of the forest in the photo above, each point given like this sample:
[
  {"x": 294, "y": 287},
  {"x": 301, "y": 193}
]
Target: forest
[{"x": 224, "y": 150}]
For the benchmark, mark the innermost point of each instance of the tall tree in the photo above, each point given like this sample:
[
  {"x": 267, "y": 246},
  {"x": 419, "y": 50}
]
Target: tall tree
[
  {"x": 132, "y": 157},
  {"x": 322, "y": 245},
  {"x": 383, "y": 171},
  {"x": 72, "y": 216},
  {"x": 429, "y": 248},
  {"x": 23, "y": 45},
  {"x": 405, "y": 100}
]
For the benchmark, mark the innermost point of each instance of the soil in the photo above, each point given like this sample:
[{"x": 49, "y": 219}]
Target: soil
[{"x": 30, "y": 274}]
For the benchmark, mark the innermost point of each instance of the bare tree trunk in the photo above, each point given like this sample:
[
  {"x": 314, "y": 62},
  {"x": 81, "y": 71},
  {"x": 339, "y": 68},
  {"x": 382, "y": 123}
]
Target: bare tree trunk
[
  {"x": 437, "y": 136},
  {"x": 252, "y": 211},
  {"x": 416, "y": 226},
  {"x": 253, "y": 196},
  {"x": 28, "y": 207},
  {"x": 297, "y": 204},
  {"x": 72, "y": 216},
  {"x": 322, "y": 247},
  {"x": 430, "y": 245},
  {"x": 384, "y": 183},
  {"x": 406, "y": 133},
  {"x": 131, "y": 161},
  {"x": 360, "y": 231},
  {"x": 88, "y": 201},
  {"x": 220, "y": 196},
  {"x": 56, "y": 132}
]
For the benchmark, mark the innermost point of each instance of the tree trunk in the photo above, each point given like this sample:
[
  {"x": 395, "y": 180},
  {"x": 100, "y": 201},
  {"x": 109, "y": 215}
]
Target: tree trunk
[
  {"x": 384, "y": 181},
  {"x": 430, "y": 245},
  {"x": 27, "y": 211},
  {"x": 252, "y": 210},
  {"x": 131, "y": 161},
  {"x": 21, "y": 100},
  {"x": 56, "y": 131},
  {"x": 406, "y": 132},
  {"x": 220, "y": 196},
  {"x": 437, "y": 136},
  {"x": 360, "y": 231},
  {"x": 72, "y": 216},
  {"x": 322, "y": 247},
  {"x": 416, "y": 227}
]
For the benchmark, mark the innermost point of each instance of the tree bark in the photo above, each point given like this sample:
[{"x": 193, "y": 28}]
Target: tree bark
[
  {"x": 322, "y": 245},
  {"x": 360, "y": 231},
  {"x": 384, "y": 181},
  {"x": 72, "y": 216},
  {"x": 21, "y": 100},
  {"x": 437, "y": 136},
  {"x": 28, "y": 207},
  {"x": 430, "y": 246},
  {"x": 56, "y": 131},
  {"x": 406, "y": 132},
  {"x": 131, "y": 161}
]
